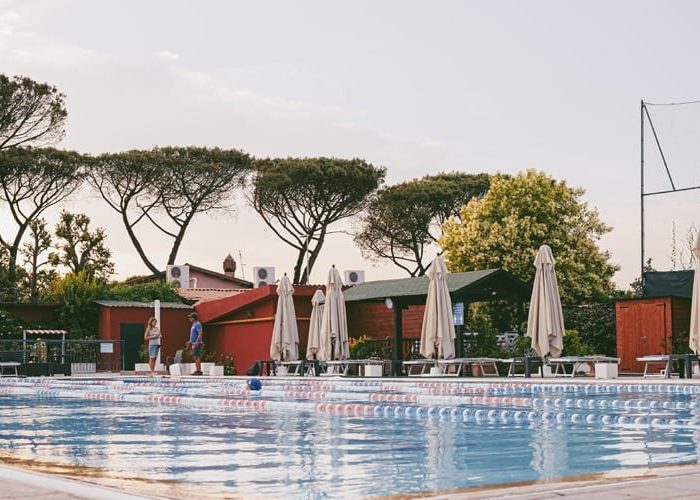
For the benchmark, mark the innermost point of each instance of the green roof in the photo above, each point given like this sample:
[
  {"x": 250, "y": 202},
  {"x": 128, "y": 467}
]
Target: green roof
[
  {"x": 132, "y": 303},
  {"x": 489, "y": 284}
]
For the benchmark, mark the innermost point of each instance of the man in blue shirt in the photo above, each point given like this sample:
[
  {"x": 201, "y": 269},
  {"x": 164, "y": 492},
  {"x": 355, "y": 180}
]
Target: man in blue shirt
[{"x": 195, "y": 342}]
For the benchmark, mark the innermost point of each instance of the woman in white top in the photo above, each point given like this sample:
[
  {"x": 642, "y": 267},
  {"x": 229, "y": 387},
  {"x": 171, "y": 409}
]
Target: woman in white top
[{"x": 152, "y": 336}]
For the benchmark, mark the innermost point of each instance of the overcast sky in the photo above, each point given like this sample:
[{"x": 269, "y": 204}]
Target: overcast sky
[{"x": 417, "y": 87}]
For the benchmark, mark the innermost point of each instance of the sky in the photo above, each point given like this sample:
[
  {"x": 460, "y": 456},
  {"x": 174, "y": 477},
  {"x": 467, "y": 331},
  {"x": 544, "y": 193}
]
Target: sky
[{"x": 416, "y": 87}]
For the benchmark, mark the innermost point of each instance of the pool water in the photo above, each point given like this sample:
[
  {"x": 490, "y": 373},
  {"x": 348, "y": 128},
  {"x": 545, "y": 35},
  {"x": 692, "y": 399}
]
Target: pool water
[{"x": 311, "y": 438}]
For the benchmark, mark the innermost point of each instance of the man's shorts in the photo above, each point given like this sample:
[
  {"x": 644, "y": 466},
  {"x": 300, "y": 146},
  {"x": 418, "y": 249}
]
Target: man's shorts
[
  {"x": 196, "y": 351},
  {"x": 153, "y": 351}
]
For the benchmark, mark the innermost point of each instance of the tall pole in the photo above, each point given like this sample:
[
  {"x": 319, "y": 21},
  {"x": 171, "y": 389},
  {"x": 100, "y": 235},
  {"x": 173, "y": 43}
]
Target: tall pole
[
  {"x": 156, "y": 314},
  {"x": 641, "y": 192}
]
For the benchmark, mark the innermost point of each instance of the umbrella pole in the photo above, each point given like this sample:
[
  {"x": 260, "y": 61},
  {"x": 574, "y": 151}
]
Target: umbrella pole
[{"x": 332, "y": 348}]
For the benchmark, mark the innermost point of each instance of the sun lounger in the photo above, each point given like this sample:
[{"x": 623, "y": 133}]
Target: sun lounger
[
  {"x": 685, "y": 364},
  {"x": 9, "y": 364},
  {"x": 461, "y": 364},
  {"x": 422, "y": 364},
  {"x": 291, "y": 367},
  {"x": 342, "y": 366},
  {"x": 529, "y": 364},
  {"x": 575, "y": 362}
]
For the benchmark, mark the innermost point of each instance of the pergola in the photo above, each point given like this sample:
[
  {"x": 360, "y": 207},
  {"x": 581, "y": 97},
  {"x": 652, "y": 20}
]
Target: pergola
[
  {"x": 62, "y": 333},
  {"x": 472, "y": 286}
]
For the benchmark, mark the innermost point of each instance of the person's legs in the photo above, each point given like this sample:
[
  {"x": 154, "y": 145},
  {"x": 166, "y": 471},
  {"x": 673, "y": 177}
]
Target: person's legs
[
  {"x": 197, "y": 356},
  {"x": 152, "y": 355}
]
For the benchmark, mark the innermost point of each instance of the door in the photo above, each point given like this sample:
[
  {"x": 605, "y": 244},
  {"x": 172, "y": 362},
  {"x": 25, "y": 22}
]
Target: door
[
  {"x": 131, "y": 335},
  {"x": 641, "y": 332}
]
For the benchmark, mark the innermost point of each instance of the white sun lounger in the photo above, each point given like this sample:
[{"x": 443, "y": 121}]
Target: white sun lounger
[
  {"x": 576, "y": 362},
  {"x": 8, "y": 364},
  {"x": 422, "y": 364},
  {"x": 461, "y": 364}
]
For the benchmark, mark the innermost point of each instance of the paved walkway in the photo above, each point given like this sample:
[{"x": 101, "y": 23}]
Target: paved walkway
[
  {"x": 22, "y": 484},
  {"x": 681, "y": 481}
]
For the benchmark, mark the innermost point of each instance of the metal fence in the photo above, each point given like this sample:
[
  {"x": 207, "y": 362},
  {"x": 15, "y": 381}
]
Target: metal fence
[{"x": 51, "y": 357}]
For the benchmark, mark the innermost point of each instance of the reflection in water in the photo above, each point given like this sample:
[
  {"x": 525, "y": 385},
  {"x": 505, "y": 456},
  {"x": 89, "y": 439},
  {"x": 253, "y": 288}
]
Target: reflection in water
[
  {"x": 549, "y": 456},
  {"x": 440, "y": 452},
  {"x": 299, "y": 454}
]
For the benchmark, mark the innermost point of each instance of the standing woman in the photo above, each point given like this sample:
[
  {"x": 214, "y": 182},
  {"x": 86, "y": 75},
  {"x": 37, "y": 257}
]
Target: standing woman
[{"x": 152, "y": 335}]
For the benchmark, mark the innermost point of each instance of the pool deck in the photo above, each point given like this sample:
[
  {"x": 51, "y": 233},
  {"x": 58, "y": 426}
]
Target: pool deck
[
  {"x": 21, "y": 483},
  {"x": 682, "y": 481},
  {"x": 673, "y": 481}
]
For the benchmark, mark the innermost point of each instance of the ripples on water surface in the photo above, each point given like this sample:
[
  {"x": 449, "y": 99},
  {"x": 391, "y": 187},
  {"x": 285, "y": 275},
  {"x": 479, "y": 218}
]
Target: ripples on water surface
[{"x": 303, "y": 454}]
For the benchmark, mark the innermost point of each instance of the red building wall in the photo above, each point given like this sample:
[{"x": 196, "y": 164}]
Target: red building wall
[
  {"x": 32, "y": 313},
  {"x": 377, "y": 321},
  {"x": 174, "y": 325},
  {"x": 242, "y": 325}
]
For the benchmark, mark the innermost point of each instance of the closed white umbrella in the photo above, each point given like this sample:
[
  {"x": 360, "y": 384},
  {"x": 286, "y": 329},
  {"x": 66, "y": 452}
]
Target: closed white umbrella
[
  {"x": 438, "y": 330},
  {"x": 545, "y": 322},
  {"x": 313, "y": 346},
  {"x": 695, "y": 303},
  {"x": 285, "y": 335},
  {"x": 334, "y": 323}
]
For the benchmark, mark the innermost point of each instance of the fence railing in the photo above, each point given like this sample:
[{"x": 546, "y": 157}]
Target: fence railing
[
  {"x": 384, "y": 348},
  {"x": 48, "y": 357}
]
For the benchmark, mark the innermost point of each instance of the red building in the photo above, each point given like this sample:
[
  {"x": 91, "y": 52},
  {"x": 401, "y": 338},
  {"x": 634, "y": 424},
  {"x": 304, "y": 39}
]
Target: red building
[
  {"x": 126, "y": 321},
  {"x": 242, "y": 324}
]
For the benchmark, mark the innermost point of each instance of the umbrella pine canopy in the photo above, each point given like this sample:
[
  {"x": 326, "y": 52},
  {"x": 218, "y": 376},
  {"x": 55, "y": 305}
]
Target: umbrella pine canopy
[
  {"x": 545, "y": 322},
  {"x": 285, "y": 334},
  {"x": 438, "y": 331}
]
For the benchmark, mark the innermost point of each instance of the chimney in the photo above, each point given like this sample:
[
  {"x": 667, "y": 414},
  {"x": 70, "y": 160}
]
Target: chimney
[{"x": 229, "y": 266}]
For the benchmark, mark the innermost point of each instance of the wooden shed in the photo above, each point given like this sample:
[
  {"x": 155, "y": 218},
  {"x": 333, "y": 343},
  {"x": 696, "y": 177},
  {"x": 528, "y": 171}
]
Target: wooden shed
[{"x": 650, "y": 325}]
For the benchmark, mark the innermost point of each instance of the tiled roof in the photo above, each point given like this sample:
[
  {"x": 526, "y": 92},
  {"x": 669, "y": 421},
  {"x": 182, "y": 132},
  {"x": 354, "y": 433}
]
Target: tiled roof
[
  {"x": 200, "y": 295},
  {"x": 132, "y": 303},
  {"x": 479, "y": 283}
]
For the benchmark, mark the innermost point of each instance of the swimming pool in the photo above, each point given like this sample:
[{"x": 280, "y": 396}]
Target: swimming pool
[{"x": 316, "y": 438}]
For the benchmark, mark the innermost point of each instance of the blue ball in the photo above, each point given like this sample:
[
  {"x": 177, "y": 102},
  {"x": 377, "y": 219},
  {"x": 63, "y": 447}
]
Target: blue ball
[{"x": 254, "y": 384}]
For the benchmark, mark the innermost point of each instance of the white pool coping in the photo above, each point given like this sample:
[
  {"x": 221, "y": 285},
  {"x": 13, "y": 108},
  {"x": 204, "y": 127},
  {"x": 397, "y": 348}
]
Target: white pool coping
[{"x": 54, "y": 485}]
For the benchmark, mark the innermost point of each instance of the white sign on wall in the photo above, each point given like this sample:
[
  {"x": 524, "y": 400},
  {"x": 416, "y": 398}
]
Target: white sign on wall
[{"x": 106, "y": 347}]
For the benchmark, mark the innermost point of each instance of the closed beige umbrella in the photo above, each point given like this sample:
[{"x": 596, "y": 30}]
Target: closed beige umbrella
[
  {"x": 695, "y": 303},
  {"x": 313, "y": 346},
  {"x": 285, "y": 335},
  {"x": 438, "y": 330},
  {"x": 334, "y": 323},
  {"x": 545, "y": 322}
]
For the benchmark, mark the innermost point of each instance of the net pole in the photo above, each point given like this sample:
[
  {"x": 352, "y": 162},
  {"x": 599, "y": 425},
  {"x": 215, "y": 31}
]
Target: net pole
[{"x": 641, "y": 193}]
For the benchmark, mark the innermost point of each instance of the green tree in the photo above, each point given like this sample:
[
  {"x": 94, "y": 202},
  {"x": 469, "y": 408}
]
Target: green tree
[
  {"x": 76, "y": 294},
  {"x": 402, "y": 220},
  {"x": 299, "y": 199},
  {"x": 144, "y": 292},
  {"x": 80, "y": 249},
  {"x": 35, "y": 258},
  {"x": 167, "y": 188},
  {"x": 31, "y": 113},
  {"x": 517, "y": 216},
  {"x": 32, "y": 181}
]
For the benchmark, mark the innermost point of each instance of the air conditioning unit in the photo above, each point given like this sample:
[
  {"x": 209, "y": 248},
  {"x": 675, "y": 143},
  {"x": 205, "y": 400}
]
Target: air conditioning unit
[
  {"x": 179, "y": 275},
  {"x": 354, "y": 277},
  {"x": 263, "y": 276}
]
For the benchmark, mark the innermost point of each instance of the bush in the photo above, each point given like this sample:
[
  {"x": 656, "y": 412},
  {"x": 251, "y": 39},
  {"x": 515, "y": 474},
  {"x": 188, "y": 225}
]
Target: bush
[
  {"x": 365, "y": 347},
  {"x": 595, "y": 324},
  {"x": 10, "y": 326}
]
